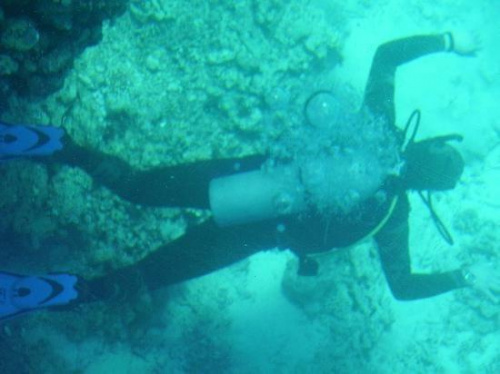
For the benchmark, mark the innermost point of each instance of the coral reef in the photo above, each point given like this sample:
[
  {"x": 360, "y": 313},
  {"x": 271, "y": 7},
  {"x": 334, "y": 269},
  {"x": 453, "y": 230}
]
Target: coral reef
[
  {"x": 347, "y": 289},
  {"x": 170, "y": 82}
]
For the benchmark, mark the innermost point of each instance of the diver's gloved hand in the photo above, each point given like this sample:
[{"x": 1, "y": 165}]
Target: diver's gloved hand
[
  {"x": 18, "y": 141},
  {"x": 21, "y": 294},
  {"x": 463, "y": 43},
  {"x": 485, "y": 278}
]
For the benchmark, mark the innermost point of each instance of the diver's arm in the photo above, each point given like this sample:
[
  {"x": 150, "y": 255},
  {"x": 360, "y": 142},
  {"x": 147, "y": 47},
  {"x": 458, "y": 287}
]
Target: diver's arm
[
  {"x": 379, "y": 92},
  {"x": 393, "y": 248}
]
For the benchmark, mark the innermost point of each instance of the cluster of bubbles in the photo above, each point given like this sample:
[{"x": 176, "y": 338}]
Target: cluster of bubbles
[{"x": 343, "y": 155}]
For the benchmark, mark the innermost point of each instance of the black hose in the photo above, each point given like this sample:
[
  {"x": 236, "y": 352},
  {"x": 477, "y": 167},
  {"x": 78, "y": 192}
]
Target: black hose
[
  {"x": 441, "y": 227},
  {"x": 415, "y": 114}
]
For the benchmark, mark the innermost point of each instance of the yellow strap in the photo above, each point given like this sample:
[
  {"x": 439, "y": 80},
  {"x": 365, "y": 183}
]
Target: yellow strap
[
  {"x": 382, "y": 223},
  {"x": 375, "y": 230}
]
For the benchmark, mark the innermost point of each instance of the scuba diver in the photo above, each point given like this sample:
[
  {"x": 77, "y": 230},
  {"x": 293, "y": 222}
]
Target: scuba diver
[{"x": 257, "y": 204}]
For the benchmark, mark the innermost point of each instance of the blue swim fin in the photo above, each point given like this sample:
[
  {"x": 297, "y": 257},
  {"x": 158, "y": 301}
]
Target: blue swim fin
[
  {"x": 21, "y": 294},
  {"x": 28, "y": 140}
]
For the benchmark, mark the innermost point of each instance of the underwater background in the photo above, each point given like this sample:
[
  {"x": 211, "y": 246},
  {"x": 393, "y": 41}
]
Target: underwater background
[{"x": 163, "y": 82}]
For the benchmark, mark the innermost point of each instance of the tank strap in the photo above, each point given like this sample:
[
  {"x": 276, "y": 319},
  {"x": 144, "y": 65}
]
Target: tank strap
[
  {"x": 373, "y": 232},
  {"x": 383, "y": 221}
]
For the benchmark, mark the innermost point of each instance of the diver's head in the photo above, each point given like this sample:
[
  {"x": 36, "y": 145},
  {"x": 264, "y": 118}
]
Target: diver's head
[{"x": 432, "y": 164}]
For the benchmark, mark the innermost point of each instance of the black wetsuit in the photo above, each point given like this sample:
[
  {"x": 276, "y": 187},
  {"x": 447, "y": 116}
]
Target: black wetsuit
[{"x": 207, "y": 247}]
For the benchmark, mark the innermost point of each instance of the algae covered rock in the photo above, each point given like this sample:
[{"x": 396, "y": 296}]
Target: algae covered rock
[
  {"x": 19, "y": 35},
  {"x": 8, "y": 65},
  {"x": 39, "y": 41}
]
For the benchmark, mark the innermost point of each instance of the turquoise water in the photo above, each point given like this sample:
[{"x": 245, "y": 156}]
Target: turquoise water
[{"x": 177, "y": 81}]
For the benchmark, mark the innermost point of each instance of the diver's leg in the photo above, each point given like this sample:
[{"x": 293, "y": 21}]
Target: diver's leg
[
  {"x": 204, "y": 249},
  {"x": 184, "y": 185},
  {"x": 379, "y": 92},
  {"x": 178, "y": 186}
]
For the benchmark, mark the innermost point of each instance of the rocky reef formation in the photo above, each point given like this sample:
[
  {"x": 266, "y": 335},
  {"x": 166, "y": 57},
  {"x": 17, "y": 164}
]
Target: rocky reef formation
[{"x": 39, "y": 39}]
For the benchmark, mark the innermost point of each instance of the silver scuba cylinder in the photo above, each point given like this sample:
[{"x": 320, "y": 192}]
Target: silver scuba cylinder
[{"x": 256, "y": 196}]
